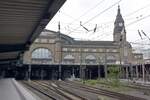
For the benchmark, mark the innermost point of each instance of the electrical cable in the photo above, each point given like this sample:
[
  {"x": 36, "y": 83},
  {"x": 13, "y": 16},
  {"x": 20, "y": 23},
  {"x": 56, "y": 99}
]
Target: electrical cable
[
  {"x": 98, "y": 14},
  {"x": 87, "y": 12}
]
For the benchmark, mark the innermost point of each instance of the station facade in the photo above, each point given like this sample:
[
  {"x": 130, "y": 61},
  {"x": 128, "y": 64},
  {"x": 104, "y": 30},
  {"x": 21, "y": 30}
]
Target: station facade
[{"x": 55, "y": 49}]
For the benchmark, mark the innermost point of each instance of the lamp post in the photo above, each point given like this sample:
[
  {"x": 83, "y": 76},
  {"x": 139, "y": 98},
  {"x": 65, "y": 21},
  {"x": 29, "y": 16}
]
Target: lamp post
[{"x": 60, "y": 52}]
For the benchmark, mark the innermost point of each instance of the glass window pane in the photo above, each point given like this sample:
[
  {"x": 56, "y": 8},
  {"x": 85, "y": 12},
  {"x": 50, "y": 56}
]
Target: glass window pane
[{"x": 41, "y": 53}]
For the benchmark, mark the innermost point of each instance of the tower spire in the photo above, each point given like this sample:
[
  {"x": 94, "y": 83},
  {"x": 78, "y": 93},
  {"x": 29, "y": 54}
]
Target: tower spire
[
  {"x": 118, "y": 25},
  {"x": 118, "y": 9}
]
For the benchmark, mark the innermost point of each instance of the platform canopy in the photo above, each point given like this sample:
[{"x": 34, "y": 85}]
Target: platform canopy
[{"x": 21, "y": 21}]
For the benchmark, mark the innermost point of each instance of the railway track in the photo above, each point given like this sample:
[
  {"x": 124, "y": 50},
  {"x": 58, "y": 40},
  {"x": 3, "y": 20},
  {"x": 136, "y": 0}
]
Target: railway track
[
  {"x": 134, "y": 86},
  {"x": 53, "y": 91},
  {"x": 69, "y": 90},
  {"x": 138, "y": 86},
  {"x": 100, "y": 91},
  {"x": 40, "y": 91},
  {"x": 59, "y": 89}
]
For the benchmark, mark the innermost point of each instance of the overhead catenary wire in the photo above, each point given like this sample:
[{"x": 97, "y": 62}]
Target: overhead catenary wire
[
  {"x": 130, "y": 14},
  {"x": 99, "y": 4},
  {"x": 148, "y": 5},
  {"x": 98, "y": 26},
  {"x": 107, "y": 35},
  {"x": 86, "y": 12},
  {"x": 138, "y": 20},
  {"x": 98, "y": 14}
]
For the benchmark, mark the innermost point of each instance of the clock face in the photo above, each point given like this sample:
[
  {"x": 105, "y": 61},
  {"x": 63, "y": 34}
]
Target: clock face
[{"x": 120, "y": 24}]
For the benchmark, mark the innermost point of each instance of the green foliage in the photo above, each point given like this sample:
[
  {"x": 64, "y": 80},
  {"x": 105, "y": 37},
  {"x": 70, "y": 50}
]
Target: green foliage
[
  {"x": 113, "y": 75},
  {"x": 91, "y": 82},
  {"x": 113, "y": 72}
]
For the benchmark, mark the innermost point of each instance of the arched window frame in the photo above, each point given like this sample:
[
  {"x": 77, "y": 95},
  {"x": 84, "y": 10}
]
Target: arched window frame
[
  {"x": 68, "y": 59},
  {"x": 90, "y": 59}
]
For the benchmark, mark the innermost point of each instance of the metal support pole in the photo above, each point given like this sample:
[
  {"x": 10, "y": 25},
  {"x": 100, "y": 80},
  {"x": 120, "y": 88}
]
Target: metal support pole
[
  {"x": 137, "y": 72},
  {"x": 99, "y": 72},
  {"x": 73, "y": 73},
  {"x": 60, "y": 52},
  {"x": 29, "y": 71},
  {"x": 81, "y": 72},
  {"x": 131, "y": 72},
  {"x": 105, "y": 66},
  {"x": 143, "y": 72},
  {"x": 59, "y": 71},
  {"x": 90, "y": 74},
  {"x": 41, "y": 74},
  {"x": 127, "y": 73},
  {"x": 26, "y": 75}
]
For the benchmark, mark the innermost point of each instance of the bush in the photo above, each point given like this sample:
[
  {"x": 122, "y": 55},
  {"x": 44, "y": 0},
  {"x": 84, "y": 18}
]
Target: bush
[{"x": 113, "y": 75}]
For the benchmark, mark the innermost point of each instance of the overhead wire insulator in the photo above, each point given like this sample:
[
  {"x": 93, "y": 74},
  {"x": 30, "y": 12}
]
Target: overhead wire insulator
[
  {"x": 95, "y": 28},
  {"x": 83, "y": 26},
  {"x": 145, "y": 34},
  {"x": 140, "y": 34}
]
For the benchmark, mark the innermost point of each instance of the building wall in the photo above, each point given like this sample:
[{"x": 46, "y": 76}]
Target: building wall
[{"x": 60, "y": 49}]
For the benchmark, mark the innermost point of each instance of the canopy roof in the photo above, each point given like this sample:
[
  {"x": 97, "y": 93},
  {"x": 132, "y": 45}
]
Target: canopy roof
[{"x": 21, "y": 21}]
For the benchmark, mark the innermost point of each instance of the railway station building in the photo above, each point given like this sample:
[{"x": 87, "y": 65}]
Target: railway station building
[
  {"x": 54, "y": 55},
  {"x": 54, "y": 49}
]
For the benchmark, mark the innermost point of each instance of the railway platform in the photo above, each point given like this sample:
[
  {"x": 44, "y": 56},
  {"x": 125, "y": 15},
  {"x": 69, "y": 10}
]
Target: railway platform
[{"x": 12, "y": 90}]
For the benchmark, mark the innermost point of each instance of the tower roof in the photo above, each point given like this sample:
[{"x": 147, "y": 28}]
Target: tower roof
[
  {"x": 119, "y": 16},
  {"x": 119, "y": 22},
  {"x": 119, "y": 27}
]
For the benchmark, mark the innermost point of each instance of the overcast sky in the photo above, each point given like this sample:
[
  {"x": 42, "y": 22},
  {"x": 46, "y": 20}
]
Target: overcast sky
[{"x": 103, "y": 13}]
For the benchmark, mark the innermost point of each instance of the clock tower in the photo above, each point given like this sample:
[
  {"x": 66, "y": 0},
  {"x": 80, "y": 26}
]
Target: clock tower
[{"x": 119, "y": 33}]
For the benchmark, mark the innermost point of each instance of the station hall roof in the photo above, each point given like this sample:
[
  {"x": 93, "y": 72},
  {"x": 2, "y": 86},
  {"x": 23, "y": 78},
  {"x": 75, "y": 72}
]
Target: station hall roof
[{"x": 21, "y": 21}]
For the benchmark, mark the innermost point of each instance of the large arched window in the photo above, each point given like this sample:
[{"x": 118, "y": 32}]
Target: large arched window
[
  {"x": 90, "y": 59},
  {"x": 69, "y": 59},
  {"x": 41, "y": 55}
]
